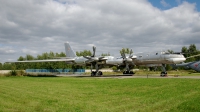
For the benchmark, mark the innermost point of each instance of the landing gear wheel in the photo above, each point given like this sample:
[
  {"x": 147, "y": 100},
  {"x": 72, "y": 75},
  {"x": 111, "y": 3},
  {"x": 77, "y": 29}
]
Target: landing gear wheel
[
  {"x": 163, "y": 74},
  {"x": 93, "y": 73},
  {"x": 100, "y": 73},
  {"x": 126, "y": 72},
  {"x": 131, "y": 72}
]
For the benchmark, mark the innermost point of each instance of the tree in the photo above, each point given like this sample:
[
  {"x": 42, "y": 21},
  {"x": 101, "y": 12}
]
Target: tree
[
  {"x": 29, "y": 57},
  {"x": 84, "y": 53},
  {"x": 1, "y": 66},
  {"x": 51, "y": 54},
  {"x": 170, "y": 51},
  {"x": 7, "y": 66},
  {"x": 20, "y": 59},
  {"x": 191, "y": 51},
  {"x": 184, "y": 50},
  {"x": 106, "y": 54},
  {"x": 62, "y": 54},
  {"x": 125, "y": 50}
]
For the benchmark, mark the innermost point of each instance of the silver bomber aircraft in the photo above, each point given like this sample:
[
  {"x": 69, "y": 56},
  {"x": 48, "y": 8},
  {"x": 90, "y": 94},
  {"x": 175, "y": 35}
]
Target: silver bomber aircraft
[{"x": 128, "y": 62}]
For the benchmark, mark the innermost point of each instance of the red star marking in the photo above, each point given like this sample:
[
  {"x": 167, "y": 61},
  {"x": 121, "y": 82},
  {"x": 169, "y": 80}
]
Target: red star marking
[{"x": 196, "y": 65}]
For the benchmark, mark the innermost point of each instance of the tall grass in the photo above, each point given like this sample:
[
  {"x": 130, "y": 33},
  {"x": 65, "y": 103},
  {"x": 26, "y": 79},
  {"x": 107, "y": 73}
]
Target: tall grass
[{"x": 92, "y": 94}]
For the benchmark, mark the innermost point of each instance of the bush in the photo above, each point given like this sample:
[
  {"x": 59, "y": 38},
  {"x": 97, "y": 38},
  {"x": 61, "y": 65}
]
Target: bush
[
  {"x": 13, "y": 73},
  {"x": 21, "y": 73},
  {"x": 114, "y": 68}
]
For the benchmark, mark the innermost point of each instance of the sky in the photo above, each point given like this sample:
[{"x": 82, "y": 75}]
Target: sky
[{"x": 37, "y": 26}]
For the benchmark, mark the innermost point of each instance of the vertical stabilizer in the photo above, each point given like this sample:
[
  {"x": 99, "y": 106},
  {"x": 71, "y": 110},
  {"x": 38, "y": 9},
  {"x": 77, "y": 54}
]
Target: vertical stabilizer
[{"x": 69, "y": 51}]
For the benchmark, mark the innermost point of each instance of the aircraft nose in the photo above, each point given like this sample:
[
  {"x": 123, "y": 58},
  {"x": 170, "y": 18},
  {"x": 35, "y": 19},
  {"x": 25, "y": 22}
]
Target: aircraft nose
[{"x": 177, "y": 60}]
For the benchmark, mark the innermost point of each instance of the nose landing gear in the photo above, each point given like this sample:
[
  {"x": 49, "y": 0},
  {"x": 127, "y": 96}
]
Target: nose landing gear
[
  {"x": 164, "y": 72},
  {"x": 126, "y": 72}
]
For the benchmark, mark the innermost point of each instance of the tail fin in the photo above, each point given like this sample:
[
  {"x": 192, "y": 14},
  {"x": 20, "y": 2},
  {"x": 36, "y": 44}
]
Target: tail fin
[{"x": 69, "y": 51}]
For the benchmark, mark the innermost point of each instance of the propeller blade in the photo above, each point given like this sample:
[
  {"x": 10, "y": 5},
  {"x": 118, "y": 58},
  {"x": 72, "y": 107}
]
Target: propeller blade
[
  {"x": 123, "y": 54},
  {"x": 131, "y": 52},
  {"x": 94, "y": 50}
]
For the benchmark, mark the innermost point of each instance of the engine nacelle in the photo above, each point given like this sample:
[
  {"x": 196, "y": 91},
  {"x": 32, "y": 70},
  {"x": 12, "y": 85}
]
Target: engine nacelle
[
  {"x": 114, "y": 62},
  {"x": 80, "y": 60}
]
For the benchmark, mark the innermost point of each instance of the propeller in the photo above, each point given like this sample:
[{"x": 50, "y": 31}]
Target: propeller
[
  {"x": 93, "y": 58},
  {"x": 127, "y": 60}
]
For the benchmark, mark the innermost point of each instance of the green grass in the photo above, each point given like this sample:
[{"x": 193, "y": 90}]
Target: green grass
[
  {"x": 72, "y": 94},
  {"x": 170, "y": 73}
]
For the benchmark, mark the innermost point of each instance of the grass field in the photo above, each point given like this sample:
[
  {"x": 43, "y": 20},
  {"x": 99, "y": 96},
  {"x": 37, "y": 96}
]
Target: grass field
[{"x": 72, "y": 94}]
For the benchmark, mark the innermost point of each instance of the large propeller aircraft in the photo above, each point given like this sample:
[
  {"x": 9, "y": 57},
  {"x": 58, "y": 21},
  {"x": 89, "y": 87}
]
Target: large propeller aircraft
[{"x": 128, "y": 62}]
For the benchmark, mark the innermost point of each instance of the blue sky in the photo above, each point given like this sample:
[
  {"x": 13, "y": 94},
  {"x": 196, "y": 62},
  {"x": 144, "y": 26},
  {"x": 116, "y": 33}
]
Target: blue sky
[{"x": 167, "y": 4}]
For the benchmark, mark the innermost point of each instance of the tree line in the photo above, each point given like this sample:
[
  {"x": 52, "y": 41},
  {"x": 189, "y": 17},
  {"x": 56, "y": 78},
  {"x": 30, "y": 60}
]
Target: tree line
[{"x": 187, "y": 52}]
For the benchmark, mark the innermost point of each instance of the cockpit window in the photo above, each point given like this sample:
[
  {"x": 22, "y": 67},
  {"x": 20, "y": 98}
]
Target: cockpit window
[{"x": 156, "y": 53}]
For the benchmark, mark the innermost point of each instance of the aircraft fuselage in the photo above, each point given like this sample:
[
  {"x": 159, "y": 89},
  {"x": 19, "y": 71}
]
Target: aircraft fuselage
[
  {"x": 139, "y": 59},
  {"x": 158, "y": 58}
]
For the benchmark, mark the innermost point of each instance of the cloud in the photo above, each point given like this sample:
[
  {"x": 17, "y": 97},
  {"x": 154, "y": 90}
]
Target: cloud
[
  {"x": 28, "y": 51},
  {"x": 35, "y": 26},
  {"x": 50, "y": 39},
  {"x": 165, "y": 4},
  {"x": 91, "y": 45},
  {"x": 7, "y": 51}
]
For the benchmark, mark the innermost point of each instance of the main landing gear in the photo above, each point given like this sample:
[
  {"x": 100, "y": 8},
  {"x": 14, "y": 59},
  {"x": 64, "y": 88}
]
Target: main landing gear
[
  {"x": 97, "y": 72},
  {"x": 94, "y": 73},
  {"x": 164, "y": 72},
  {"x": 126, "y": 72}
]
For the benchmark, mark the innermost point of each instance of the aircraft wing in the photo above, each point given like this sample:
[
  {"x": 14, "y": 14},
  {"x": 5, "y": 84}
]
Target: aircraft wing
[
  {"x": 48, "y": 60},
  {"x": 193, "y": 56}
]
